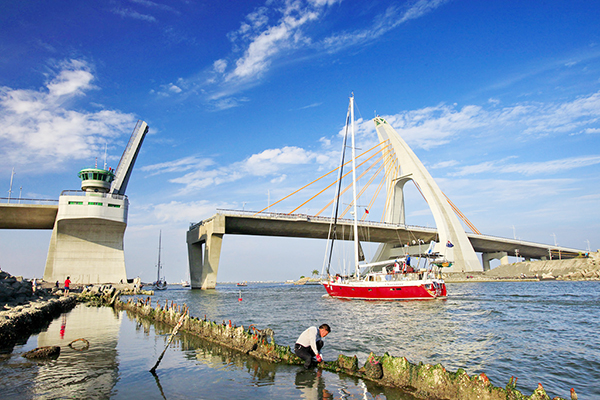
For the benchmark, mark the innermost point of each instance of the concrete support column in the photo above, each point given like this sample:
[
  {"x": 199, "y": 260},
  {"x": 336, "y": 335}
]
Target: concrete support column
[
  {"x": 87, "y": 240},
  {"x": 486, "y": 257},
  {"x": 204, "y": 252}
]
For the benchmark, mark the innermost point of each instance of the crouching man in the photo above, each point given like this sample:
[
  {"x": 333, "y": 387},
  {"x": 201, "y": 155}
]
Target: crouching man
[{"x": 309, "y": 344}]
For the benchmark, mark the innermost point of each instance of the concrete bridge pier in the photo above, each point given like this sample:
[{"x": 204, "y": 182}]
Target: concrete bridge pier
[
  {"x": 500, "y": 255},
  {"x": 204, "y": 252}
]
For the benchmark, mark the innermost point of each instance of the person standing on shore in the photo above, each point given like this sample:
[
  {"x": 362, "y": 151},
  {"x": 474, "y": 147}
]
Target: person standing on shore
[
  {"x": 309, "y": 344},
  {"x": 67, "y": 284}
]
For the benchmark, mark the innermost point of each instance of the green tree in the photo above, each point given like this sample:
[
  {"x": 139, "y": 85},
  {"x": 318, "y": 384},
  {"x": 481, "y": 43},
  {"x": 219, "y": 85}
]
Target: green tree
[{"x": 315, "y": 272}]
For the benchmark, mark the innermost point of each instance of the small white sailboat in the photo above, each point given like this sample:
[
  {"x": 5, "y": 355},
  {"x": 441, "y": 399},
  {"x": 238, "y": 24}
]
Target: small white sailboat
[{"x": 161, "y": 283}]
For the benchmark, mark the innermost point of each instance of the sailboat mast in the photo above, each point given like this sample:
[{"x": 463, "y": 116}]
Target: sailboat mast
[
  {"x": 356, "y": 267},
  {"x": 158, "y": 272},
  {"x": 333, "y": 226}
]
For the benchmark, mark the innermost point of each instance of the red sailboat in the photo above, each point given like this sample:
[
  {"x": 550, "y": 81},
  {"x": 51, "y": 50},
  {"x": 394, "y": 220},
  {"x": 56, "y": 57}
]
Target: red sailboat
[{"x": 384, "y": 280}]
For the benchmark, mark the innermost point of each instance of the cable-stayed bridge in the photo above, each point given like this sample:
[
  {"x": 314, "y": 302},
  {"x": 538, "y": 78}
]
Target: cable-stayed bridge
[{"x": 398, "y": 164}]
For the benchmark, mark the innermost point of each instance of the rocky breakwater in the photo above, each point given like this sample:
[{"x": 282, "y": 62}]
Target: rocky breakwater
[
  {"x": 422, "y": 380},
  {"x": 14, "y": 290},
  {"x": 25, "y": 311},
  {"x": 580, "y": 268},
  {"x": 584, "y": 268}
]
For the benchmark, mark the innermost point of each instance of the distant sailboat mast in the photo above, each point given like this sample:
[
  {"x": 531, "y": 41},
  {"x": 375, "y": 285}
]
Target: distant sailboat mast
[{"x": 158, "y": 272}]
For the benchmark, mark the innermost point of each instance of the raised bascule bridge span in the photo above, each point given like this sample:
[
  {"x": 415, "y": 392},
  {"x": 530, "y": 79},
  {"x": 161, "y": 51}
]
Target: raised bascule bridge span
[{"x": 88, "y": 225}]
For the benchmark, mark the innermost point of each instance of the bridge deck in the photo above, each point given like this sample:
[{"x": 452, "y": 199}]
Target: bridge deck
[
  {"x": 305, "y": 226},
  {"x": 27, "y": 216}
]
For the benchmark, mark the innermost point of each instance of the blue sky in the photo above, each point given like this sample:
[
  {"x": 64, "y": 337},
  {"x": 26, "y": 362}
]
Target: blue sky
[{"x": 246, "y": 100}]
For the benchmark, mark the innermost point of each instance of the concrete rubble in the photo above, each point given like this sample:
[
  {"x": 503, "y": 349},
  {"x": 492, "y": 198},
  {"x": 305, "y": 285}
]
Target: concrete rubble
[
  {"x": 24, "y": 311},
  {"x": 23, "y": 320},
  {"x": 584, "y": 268}
]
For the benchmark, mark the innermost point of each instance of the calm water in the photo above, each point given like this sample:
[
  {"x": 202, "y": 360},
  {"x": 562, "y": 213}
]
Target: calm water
[{"x": 537, "y": 331}]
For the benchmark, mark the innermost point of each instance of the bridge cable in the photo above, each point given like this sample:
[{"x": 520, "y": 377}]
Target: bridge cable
[
  {"x": 330, "y": 185},
  {"x": 456, "y": 210},
  {"x": 321, "y": 177},
  {"x": 365, "y": 186},
  {"x": 344, "y": 191}
]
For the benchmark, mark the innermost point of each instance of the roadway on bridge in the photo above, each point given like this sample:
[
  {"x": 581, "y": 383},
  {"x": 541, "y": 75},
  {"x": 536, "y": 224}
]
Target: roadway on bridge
[
  {"x": 27, "y": 216},
  {"x": 305, "y": 226}
]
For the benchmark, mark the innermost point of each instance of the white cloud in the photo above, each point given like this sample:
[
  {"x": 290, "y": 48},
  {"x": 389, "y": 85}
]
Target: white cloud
[
  {"x": 37, "y": 126},
  {"x": 434, "y": 126},
  {"x": 73, "y": 79},
  {"x": 151, "y": 4},
  {"x": 174, "y": 88},
  {"x": 391, "y": 18},
  {"x": 200, "y": 179},
  {"x": 273, "y": 40},
  {"x": 566, "y": 116},
  {"x": 180, "y": 165},
  {"x": 176, "y": 212},
  {"x": 278, "y": 31},
  {"x": 530, "y": 168},
  {"x": 270, "y": 161},
  {"x": 128, "y": 13},
  {"x": 220, "y": 66},
  {"x": 443, "y": 164},
  {"x": 431, "y": 127},
  {"x": 279, "y": 179}
]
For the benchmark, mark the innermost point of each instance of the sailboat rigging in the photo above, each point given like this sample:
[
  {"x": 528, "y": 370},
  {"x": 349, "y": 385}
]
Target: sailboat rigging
[
  {"x": 384, "y": 280},
  {"x": 161, "y": 283}
]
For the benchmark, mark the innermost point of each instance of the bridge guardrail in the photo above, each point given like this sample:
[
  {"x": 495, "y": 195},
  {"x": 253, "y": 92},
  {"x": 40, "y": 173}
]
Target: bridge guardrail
[
  {"x": 13, "y": 200},
  {"x": 305, "y": 217},
  {"x": 296, "y": 217}
]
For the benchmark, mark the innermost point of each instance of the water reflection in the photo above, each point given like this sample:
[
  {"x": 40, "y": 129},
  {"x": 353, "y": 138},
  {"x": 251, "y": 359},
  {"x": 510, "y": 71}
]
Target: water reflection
[
  {"x": 312, "y": 385},
  {"x": 78, "y": 372},
  {"x": 501, "y": 329}
]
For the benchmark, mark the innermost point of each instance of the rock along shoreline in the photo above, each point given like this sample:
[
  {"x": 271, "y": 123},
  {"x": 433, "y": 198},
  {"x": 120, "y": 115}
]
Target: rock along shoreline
[{"x": 24, "y": 320}]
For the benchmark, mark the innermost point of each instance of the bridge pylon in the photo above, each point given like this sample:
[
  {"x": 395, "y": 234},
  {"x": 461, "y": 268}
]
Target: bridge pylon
[
  {"x": 453, "y": 242},
  {"x": 204, "y": 251},
  {"x": 87, "y": 238}
]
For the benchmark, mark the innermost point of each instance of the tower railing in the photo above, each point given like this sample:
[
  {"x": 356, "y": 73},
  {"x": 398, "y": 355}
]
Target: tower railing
[{"x": 95, "y": 194}]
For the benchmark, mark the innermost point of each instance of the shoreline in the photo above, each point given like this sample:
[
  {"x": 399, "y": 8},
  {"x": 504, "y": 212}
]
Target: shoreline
[
  {"x": 421, "y": 380},
  {"x": 25, "y": 320}
]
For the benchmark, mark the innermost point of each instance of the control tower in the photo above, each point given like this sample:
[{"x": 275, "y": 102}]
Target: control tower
[{"x": 87, "y": 238}]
